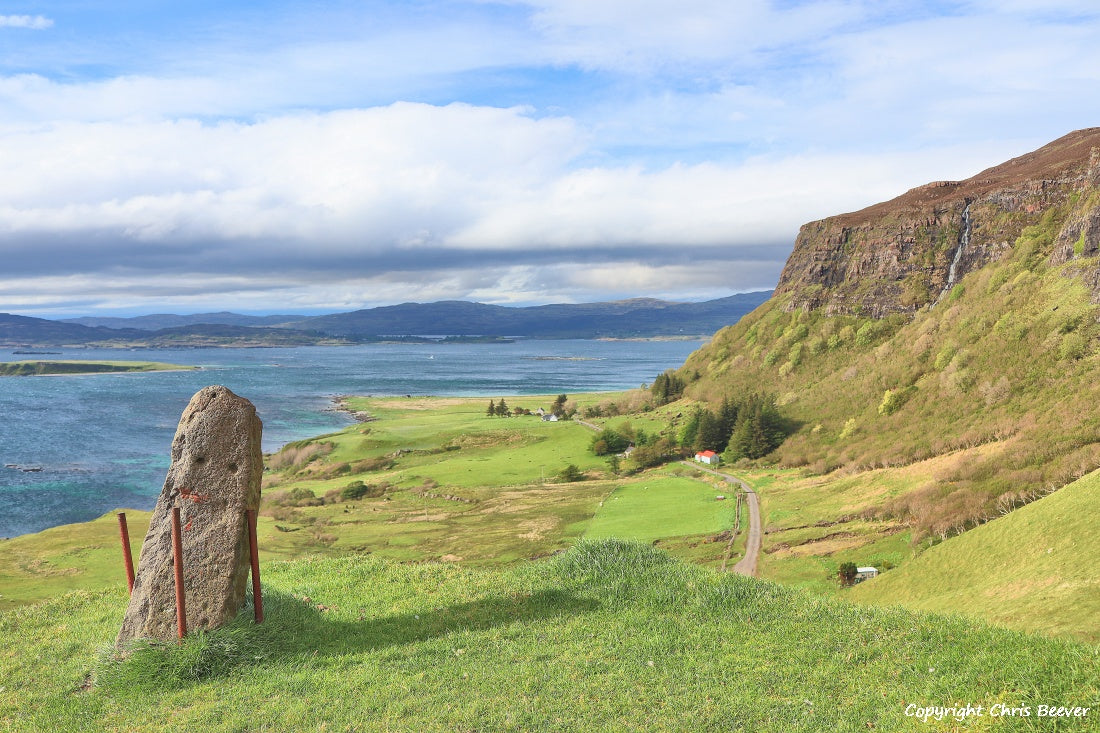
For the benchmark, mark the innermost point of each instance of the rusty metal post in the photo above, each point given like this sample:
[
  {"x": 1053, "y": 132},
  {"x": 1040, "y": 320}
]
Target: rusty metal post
[
  {"x": 177, "y": 561},
  {"x": 254, "y": 556},
  {"x": 127, "y": 556}
]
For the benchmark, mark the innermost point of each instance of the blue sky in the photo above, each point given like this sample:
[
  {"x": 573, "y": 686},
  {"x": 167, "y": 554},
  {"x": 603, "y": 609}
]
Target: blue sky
[{"x": 307, "y": 157}]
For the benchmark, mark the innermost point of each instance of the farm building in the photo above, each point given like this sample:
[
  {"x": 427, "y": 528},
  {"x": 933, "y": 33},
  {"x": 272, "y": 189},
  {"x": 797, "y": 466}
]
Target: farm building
[
  {"x": 863, "y": 574},
  {"x": 708, "y": 457}
]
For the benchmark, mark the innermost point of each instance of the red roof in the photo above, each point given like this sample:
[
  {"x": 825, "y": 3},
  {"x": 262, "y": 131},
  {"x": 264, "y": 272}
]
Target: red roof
[{"x": 707, "y": 454}]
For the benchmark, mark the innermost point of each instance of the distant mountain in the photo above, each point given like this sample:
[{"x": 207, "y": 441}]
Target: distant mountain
[
  {"x": 635, "y": 318},
  {"x": 26, "y": 331},
  {"x": 158, "y": 321}
]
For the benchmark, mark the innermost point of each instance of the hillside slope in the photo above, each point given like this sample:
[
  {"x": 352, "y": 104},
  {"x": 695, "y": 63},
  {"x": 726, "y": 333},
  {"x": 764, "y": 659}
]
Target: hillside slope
[
  {"x": 1006, "y": 356},
  {"x": 1033, "y": 569},
  {"x": 609, "y": 636}
]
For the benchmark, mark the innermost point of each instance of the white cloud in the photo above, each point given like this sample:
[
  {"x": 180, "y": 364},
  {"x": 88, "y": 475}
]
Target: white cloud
[
  {"x": 34, "y": 22},
  {"x": 601, "y": 144},
  {"x": 408, "y": 201}
]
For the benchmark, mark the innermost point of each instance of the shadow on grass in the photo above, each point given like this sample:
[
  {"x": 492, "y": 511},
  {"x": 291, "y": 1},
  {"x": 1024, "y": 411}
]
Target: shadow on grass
[
  {"x": 297, "y": 629},
  {"x": 293, "y": 625}
]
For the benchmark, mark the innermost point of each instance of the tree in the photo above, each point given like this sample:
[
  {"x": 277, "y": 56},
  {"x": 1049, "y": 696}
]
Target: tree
[
  {"x": 727, "y": 420},
  {"x": 608, "y": 441},
  {"x": 667, "y": 387},
  {"x": 492, "y": 411},
  {"x": 558, "y": 408},
  {"x": 654, "y": 454},
  {"x": 691, "y": 429},
  {"x": 709, "y": 434},
  {"x": 847, "y": 573},
  {"x": 502, "y": 408}
]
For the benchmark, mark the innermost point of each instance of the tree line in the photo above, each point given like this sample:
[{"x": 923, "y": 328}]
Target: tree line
[
  {"x": 749, "y": 427},
  {"x": 501, "y": 409}
]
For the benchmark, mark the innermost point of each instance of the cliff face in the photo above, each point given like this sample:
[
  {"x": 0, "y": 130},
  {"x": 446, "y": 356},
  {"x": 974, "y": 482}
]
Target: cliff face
[{"x": 907, "y": 253}]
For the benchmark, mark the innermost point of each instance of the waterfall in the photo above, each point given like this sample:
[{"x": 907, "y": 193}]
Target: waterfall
[{"x": 964, "y": 239}]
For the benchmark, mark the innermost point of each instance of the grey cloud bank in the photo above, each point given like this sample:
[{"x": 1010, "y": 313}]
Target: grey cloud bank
[{"x": 326, "y": 157}]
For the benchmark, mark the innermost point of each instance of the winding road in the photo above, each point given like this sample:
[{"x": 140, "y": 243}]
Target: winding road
[{"x": 747, "y": 564}]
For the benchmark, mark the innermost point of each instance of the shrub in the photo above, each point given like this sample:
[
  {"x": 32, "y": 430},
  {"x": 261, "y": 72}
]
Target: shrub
[
  {"x": 847, "y": 573},
  {"x": 868, "y": 333},
  {"x": 300, "y": 496},
  {"x": 359, "y": 490},
  {"x": 893, "y": 399},
  {"x": 1072, "y": 347},
  {"x": 571, "y": 473}
]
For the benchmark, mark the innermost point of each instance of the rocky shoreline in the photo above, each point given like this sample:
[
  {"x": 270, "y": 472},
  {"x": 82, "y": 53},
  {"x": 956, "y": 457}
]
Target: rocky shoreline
[{"x": 340, "y": 404}]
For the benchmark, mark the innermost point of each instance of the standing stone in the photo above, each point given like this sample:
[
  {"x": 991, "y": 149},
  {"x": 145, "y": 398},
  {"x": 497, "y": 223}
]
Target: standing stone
[{"x": 214, "y": 477}]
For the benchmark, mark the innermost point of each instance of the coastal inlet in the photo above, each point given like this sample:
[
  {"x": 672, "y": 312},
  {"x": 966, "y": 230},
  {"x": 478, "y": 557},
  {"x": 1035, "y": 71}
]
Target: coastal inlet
[{"x": 97, "y": 442}]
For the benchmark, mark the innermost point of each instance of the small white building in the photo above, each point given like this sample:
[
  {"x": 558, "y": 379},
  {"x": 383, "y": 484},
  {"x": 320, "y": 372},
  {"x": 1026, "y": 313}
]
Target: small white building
[
  {"x": 549, "y": 417},
  {"x": 863, "y": 574},
  {"x": 708, "y": 457}
]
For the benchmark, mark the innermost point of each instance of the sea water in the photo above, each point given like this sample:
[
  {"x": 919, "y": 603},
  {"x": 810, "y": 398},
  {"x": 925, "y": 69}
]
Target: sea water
[{"x": 77, "y": 446}]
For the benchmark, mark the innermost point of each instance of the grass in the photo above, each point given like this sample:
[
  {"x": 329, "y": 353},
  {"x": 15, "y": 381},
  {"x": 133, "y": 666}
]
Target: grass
[
  {"x": 461, "y": 487},
  {"x": 29, "y": 368},
  {"x": 1034, "y": 568},
  {"x": 660, "y": 507},
  {"x": 609, "y": 636}
]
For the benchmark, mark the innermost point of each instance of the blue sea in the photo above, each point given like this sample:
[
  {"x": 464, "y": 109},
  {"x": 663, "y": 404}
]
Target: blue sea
[{"x": 75, "y": 447}]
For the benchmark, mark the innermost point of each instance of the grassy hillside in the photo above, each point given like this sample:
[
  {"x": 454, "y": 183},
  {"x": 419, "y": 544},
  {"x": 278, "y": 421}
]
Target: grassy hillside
[
  {"x": 1008, "y": 358},
  {"x": 1035, "y": 568},
  {"x": 608, "y": 636}
]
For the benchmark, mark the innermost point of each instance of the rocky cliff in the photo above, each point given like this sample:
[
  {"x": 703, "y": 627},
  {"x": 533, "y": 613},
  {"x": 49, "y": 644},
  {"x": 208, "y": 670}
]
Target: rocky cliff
[{"x": 907, "y": 253}]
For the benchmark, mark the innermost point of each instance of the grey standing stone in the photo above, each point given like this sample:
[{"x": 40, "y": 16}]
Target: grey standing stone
[{"x": 214, "y": 477}]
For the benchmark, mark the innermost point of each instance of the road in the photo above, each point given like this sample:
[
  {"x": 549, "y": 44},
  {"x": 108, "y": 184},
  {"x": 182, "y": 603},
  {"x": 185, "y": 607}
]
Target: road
[{"x": 747, "y": 565}]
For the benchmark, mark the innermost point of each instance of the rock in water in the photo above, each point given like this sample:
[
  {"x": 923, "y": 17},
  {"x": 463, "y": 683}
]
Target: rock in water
[{"x": 214, "y": 478}]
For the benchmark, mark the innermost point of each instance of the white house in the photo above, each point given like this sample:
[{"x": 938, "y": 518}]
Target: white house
[{"x": 708, "y": 457}]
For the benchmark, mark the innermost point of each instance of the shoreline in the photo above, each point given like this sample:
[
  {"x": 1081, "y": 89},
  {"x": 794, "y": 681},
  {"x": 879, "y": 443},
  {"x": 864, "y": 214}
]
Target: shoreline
[{"x": 340, "y": 404}]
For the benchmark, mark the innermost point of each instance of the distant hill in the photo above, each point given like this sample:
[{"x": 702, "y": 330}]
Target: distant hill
[
  {"x": 635, "y": 318},
  {"x": 26, "y": 331},
  {"x": 158, "y": 321}
]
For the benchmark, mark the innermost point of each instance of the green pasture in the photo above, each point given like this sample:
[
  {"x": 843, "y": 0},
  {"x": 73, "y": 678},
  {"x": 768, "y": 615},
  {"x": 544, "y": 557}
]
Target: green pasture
[
  {"x": 662, "y": 506},
  {"x": 1034, "y": 568},
  {"x": 459, "y": 486}
]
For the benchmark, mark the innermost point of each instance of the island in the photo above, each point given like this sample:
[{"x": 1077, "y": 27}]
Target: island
[{"x": 46, "y": 368}]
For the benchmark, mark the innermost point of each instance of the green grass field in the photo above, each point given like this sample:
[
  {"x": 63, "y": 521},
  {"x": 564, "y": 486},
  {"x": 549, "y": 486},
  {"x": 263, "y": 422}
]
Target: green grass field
[
  {"x": 1035, "y": 568},
  {"x": 461, "y": 487},
  {"x": 661, "y": 507},
  {"x": 609, "y": 636}
]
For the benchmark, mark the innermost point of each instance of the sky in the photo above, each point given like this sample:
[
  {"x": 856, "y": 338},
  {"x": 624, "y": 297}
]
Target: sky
[{"x": 291, "y": 157}]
